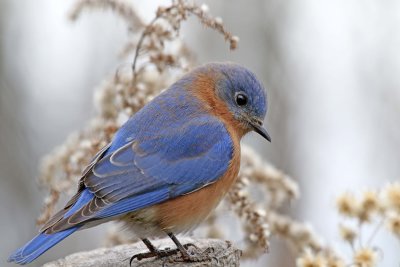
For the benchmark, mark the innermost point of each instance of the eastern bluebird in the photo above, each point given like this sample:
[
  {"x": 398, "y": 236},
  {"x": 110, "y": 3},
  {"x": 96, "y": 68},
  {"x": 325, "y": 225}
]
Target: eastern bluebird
[{"x": 169, "y": 165}]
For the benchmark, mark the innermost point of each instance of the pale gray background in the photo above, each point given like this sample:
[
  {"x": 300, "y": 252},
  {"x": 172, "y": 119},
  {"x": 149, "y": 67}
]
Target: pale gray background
[{"x": 331, "y": 69}]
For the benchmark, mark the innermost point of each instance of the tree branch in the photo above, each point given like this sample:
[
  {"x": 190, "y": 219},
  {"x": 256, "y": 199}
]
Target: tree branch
[{"x": 220, "y": 253}]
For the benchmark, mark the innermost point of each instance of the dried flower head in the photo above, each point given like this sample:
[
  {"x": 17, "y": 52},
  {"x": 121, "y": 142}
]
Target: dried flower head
[
  {"x": 391, "y": 195},
  {"x": 365, "y": 257},
  {"x": 393, "y": 223},
  {"x": 335, "y": 262},
  {"x": 347, "y": 205},
  {"x": 347, "y": 233},
  {"x": 309, "y": 259},
  {"x": 370, "y": 201}
]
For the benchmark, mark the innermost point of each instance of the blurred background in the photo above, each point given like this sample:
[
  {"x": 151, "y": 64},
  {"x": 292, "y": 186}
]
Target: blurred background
[{"x": 331, "y": 69}]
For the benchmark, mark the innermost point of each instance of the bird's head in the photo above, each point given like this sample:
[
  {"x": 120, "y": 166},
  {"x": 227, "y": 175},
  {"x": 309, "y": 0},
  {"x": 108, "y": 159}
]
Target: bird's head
[{"x": 241, "y": 92}]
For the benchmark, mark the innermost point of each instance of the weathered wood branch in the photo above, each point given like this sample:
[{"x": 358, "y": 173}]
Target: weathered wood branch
[{"x": 220, "y": 253}]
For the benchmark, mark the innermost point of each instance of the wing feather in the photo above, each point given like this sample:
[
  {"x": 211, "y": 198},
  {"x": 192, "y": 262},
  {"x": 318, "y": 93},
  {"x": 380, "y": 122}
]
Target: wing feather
[{"x": 149, "y": 169}]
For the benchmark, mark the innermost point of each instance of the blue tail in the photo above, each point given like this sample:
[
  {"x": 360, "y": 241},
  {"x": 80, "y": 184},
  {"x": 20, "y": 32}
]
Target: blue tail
[
  {"x": 39, "y": 245},
  {"x": 42, "y": 242}
]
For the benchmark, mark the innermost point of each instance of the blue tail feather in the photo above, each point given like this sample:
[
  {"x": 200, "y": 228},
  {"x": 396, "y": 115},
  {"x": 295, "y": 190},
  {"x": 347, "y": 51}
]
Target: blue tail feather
[
  {"x": 43, "y": 242},
  {"x": 39, "y": 245}
]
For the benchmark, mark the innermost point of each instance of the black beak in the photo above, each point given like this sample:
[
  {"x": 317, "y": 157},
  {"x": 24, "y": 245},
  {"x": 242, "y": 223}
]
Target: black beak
[{"x": 257, "y": 127}]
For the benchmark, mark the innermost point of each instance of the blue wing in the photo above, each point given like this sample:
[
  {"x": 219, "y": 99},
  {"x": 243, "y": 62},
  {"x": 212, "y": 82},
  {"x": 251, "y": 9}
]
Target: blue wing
[{"x": 149, "y": 167}]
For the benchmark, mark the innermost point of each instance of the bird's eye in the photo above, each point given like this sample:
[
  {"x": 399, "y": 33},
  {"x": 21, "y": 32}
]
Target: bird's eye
[{"x": 241, "y": 99}]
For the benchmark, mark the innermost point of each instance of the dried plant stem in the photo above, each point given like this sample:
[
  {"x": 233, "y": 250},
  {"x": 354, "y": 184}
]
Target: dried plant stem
[
  {"x": 375, "y": 231},
  {"x": 121, "y": 8},
  {"x": 139, "y": 46}
]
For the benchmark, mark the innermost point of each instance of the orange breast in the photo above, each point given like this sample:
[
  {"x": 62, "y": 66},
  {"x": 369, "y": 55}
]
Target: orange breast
[{"x": 183, "y": 213}]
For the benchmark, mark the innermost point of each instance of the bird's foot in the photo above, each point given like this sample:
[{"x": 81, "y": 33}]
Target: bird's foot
[
  {"x": 191, "y": 253},
  {"x": 159, "y": 253}
]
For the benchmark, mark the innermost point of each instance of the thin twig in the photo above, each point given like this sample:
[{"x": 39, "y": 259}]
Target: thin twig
[{"x": 376, "y": 230}]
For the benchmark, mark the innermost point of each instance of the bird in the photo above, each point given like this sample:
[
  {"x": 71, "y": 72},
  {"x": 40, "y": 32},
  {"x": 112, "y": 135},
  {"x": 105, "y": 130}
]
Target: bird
[{"x": 169, "y": 165}]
